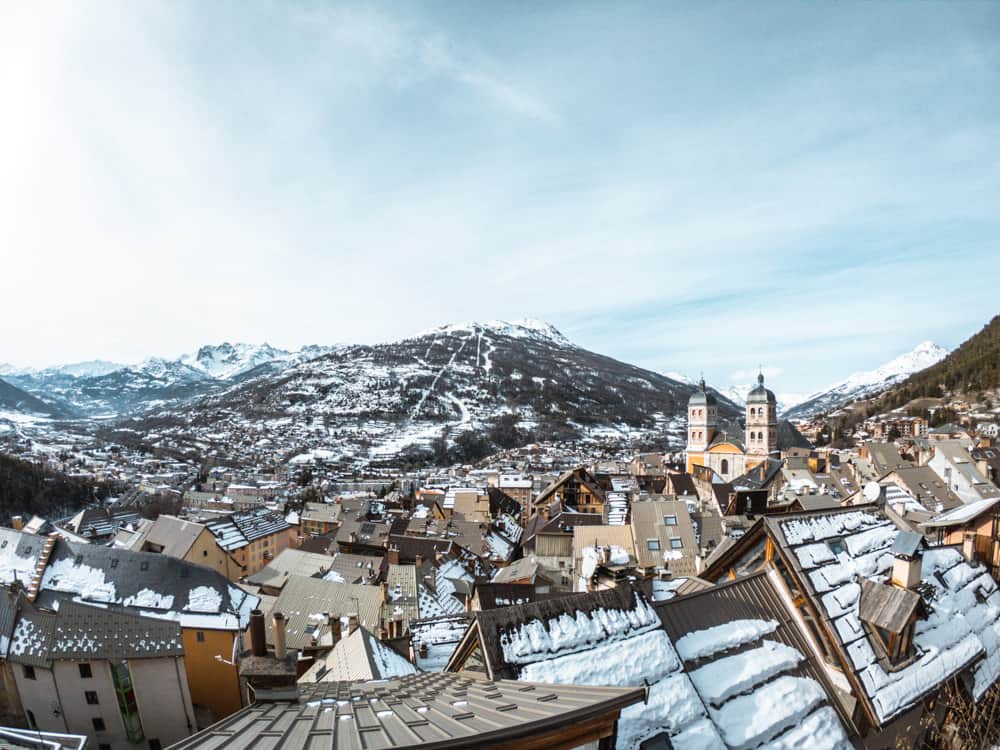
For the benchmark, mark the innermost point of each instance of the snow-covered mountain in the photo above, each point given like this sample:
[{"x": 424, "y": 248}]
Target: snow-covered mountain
[
  {"x": 15, "y": 401},
  {"x": 224, "y": 361},
  {"x": 468, "y": 383},
  {"x": 100, "y": 388},
  {"x": 862, "y": 385}
]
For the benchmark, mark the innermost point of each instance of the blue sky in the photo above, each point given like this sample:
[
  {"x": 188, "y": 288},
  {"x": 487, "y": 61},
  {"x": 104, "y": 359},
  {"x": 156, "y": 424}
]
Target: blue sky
[{"x": 691, "y": 187}]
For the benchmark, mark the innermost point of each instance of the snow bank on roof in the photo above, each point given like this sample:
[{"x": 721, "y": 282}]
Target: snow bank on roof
[
  {"x": 672, "y": 703},
  {"x": 722, "y": 679},
  {"x": 700, "y": 735},
  {"x": 149, "y": 598},
  {"x": 388, "y": 663},
  {"x": 15, "y": 566},
  {"x": 702, "y": 643},
  {"x": 821, "y": 730},
  {"x": 751, "y": 719},
  {"x": 204, "y": 599},
  {"x": 649, "y": 657},
  {"x": 914, "y": 681},
  {"x": 90, "y": 584},
  {"x": 818, "y": 528},
  {"x": 813, "y": 555},
  {"x": 537, "y": 640}
]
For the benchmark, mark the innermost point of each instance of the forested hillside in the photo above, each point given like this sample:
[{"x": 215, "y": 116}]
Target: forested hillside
[
  {"x": 973, "y": 367},
  {"x": 29, "y": 489}
]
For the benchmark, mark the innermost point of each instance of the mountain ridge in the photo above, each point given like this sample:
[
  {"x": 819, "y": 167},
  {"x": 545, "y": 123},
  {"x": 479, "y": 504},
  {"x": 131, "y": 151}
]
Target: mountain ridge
[{"x": 869, "y": 383}]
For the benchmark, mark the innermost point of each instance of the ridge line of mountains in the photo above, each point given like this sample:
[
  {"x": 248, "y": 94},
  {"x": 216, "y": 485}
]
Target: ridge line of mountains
[{"x": 516, "y": 380}]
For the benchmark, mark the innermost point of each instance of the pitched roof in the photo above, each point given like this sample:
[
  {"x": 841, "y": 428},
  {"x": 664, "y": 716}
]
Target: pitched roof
[
  {"x": 497, "y": 627},
  {"x": 174, "y": 535},
  {"x": 358, "y": 656},
  {"x": 239, "y": 529},
  {"x": 19, "y": 555},
  {"x": 963, "y": 513},
  {"x": 155, "y": 584},
  {"x": 307, "y": 603},
  {"x": 831, "y": 551},
  {"x": 430, "y": 711},
  {"x": 79, "y": 631},
  {"x": 739, "y": 644}
]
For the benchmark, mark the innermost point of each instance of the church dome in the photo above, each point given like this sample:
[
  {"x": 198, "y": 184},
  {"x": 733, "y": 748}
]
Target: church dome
[
  {"x": 760, "y": 394},
  {"x": 702, "y": 397}
]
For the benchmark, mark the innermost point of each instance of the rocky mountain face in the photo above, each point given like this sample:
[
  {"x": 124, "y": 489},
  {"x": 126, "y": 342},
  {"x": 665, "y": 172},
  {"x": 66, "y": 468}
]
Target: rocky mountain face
[
  {"x": 505, "y": 383},
  {"x": 863, "y": 385}
]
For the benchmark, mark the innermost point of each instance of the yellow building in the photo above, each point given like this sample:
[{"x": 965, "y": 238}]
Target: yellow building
[{"x": 726, "y": 450}]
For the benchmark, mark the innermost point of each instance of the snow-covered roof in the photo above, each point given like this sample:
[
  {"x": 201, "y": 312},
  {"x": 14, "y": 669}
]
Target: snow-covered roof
[
  {"x": 144, "y": 583},
  {"x": 962, "y": 514},
  {"x": 734, "y": 685},
  {"x": 835, "y": 550}
]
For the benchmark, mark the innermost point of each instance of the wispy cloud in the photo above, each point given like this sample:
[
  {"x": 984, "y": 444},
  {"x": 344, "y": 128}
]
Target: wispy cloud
[{"x": 408, "y": 50}]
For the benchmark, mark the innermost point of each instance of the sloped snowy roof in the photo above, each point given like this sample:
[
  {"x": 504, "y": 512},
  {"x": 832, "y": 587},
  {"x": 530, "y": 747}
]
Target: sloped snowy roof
[
  {"x": 146, "y": 583},
  {"x": 963, "y": 627},
  {"x": 752, "y": 668}
]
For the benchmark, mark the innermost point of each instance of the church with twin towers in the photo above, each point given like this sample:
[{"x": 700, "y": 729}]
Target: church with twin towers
[{"x": 723, "y": 447}]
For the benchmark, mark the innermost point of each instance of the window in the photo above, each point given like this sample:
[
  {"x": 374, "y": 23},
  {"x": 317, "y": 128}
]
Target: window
[
  {"x": 104, "y": 746},
  {"x": 724, "y": 466},
  {"x": 154, "y": 744},
  {"x": 29, "y": 672},
  {"x": 653, "y": 545},
  {"x": 85, "y": 671},
  {"x": 200, "y": 636},
  {"x": 676, "y": 543},
  {"x": 91, "y": 697},
  {"x": 31, "y": 720},
  {"x": 204, "y": 553},
  {"x": 670, "y": 520},
  {"x": 98, "y": 724}
]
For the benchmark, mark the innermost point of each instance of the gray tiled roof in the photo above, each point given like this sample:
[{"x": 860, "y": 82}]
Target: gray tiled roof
[
  {"x": 79, "y": 631},
  {"x": 143, "y": 581},
  {"x": 427, "y": 710}
]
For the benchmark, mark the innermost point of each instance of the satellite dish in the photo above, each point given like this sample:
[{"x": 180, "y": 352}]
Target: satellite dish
[{"x": 872, "y": 492}]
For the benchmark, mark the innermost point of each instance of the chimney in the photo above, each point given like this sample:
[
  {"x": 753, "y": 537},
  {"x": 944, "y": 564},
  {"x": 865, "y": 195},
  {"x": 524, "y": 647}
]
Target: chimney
[
  {"x": 335, "y": 627},
  {"x": 418, "y": 559},
  {"x": 352, "y": 537},
  {"x": 396, "y": 625},
  {"x": 969, "y": 546},
  {"x": 392, "y": 557},
  {"x": 352, "y": 622},
  {"x": 17, "y": 522},
  {"x": 384, "y": 590},
  {"x": 423, "y": 650},
  {"x": 258, "y": 645},
  {"x": 278, "y": 621},
  {"x": 907, "y": 562}
]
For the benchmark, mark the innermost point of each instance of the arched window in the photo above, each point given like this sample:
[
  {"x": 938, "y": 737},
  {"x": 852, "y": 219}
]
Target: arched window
[{"x": 724, "y": 466}]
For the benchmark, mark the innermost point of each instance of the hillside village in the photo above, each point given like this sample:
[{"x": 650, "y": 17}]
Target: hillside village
[{"x": 744, "y": 588}]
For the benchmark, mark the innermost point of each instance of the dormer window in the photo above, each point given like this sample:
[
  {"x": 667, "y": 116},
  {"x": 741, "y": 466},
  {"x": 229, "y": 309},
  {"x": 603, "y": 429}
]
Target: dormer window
[{"x": 890, "y": 612}]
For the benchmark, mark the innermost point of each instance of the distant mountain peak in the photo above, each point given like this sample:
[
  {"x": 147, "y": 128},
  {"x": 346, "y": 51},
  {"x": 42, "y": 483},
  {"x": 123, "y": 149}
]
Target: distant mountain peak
[
  {"x": 521, "y": 328},
  {"x": 870, "y": 382}
]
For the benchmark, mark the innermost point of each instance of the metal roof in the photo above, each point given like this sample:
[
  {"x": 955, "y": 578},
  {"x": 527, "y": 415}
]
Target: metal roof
[{"x": 430, "y": 711}]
